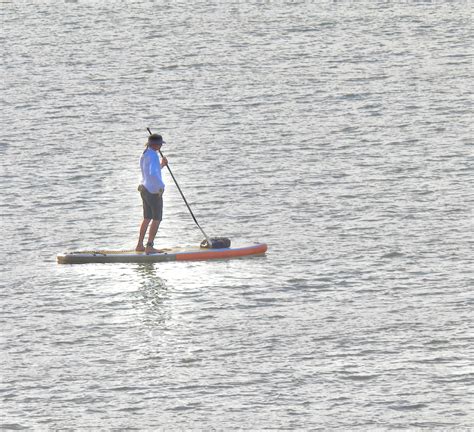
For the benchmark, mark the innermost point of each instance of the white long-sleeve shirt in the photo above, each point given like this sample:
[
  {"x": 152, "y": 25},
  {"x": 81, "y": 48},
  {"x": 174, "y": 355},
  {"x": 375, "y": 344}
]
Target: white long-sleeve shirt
[{"x": 151, "y": 171}]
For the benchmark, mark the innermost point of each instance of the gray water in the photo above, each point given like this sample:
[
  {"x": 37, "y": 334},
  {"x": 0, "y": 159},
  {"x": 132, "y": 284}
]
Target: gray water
[{"x": 337, "y": 132}]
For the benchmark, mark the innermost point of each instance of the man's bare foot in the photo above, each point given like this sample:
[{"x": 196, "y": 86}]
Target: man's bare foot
[
  {"x": 140, "y": 248},
  {"x": 151, "y": 250}
]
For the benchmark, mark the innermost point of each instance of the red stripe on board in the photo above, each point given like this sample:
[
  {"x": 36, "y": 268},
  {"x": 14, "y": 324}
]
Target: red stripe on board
[{"x": 221, "y": 253}]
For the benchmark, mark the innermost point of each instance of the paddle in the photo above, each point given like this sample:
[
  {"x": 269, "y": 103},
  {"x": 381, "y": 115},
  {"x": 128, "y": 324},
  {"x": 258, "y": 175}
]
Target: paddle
[{"x": 207, "y": 243}]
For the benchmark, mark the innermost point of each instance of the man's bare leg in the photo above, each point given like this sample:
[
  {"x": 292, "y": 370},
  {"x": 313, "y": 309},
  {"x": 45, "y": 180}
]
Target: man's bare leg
[
  {"x": 143, "y": 228},
  {"x": 155, "y": 223}
]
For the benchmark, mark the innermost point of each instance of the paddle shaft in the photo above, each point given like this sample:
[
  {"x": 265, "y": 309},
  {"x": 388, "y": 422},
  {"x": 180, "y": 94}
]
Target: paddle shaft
[{"x": 182, "y": 196}]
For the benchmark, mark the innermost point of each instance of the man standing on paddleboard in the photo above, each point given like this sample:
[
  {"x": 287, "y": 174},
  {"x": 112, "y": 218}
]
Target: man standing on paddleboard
[{"x": 151, "y": 189}]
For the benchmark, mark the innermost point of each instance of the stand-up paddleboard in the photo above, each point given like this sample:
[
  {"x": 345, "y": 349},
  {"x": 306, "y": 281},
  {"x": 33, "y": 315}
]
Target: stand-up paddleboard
[{"x": 189, "y": 253}]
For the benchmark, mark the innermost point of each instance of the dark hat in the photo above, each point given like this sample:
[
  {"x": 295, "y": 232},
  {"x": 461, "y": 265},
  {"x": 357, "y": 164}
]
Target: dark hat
[{"x": 155, "y": 139}]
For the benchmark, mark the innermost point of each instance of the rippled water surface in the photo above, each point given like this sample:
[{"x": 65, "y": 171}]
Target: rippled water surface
[{"x": 337, "y": 132}]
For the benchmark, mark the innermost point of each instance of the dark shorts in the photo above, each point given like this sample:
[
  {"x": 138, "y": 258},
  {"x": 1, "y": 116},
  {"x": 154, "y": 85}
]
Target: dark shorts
[{"x": 152, "y": 204}]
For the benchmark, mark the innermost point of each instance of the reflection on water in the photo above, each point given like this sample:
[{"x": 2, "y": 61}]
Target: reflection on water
[{"x": 152, "y": 295}]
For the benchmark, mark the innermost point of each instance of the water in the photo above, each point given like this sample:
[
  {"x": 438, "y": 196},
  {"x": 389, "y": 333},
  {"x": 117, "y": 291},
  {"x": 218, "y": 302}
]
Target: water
[{"x": 337, "y": 132}]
